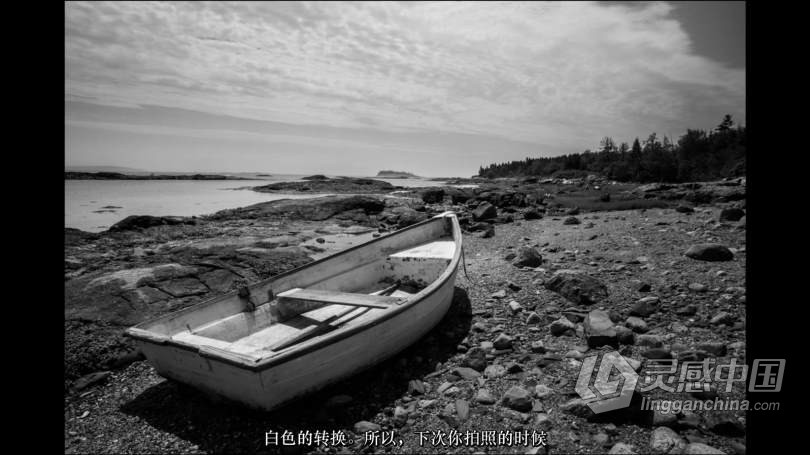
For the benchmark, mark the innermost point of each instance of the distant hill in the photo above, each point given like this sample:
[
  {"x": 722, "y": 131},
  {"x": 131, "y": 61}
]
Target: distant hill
[
  {"x": 120, "y": 176},
  {"x": 120, "y": 169},
  {"x": 396, "y": 175}
]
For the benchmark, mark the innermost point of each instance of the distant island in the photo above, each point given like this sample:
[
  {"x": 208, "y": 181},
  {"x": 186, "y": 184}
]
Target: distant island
[
  {"x": 396, "y": 175},
  {"x": 120, "y": 176}
]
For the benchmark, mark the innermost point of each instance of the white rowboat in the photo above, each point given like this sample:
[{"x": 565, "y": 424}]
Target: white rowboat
[{"x": 309, "y": 327}]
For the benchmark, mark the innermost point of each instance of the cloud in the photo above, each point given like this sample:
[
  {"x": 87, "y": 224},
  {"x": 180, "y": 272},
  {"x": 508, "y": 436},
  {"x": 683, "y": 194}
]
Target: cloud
[{"x": 566, "y": 73}]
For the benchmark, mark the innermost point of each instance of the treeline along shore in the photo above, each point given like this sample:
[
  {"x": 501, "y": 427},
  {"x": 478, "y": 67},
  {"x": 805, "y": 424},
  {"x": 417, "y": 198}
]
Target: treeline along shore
[{"x": 698, "y": 155}]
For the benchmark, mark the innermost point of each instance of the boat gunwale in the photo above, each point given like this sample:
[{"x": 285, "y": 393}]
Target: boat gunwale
[{"x": 314, "y": 344}]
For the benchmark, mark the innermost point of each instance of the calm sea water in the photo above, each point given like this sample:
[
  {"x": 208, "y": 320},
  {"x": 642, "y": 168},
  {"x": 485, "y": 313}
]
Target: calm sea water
[{"x": 95, "y": 205}]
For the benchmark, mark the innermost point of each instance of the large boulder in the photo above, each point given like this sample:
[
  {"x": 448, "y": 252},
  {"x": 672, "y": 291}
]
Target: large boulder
[
  {"x": 532, "y": 214},
  {"x": 313, "y": 209},
  {"x": 485, "y": 211},
  {"x": 518, "y": 398},
  {"x": 133, "y": 222},
  {"x": 433, "y": 196},
  {"x": 731, "y": 214},
  {"x": 527, "y": 257},
  {"x": 709, "y": 252},
  {"x": 460, "y": 195},
  {"x": 404, "y": 216},
  {"x": 577, "y": 287}
]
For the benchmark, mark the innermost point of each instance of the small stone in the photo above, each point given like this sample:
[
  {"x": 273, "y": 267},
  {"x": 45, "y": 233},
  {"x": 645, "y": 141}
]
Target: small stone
[
  {"x": 462, "y": 409},
  {"x": 416, "y": 387},
  {"x": 709, "y": 252},
  {"x": 698, "y": 287},
  {"x": 578, "y": 287},
  {"x": 622, "y": 449},
  {"x": 542, "y": 391},
  {"x": 514, "y": 367},
  {"x": 426, "y": 403},
  {"x": 533, "y": 318},
  {"x": 657, "y": 353},
  {"x": 511, "y": 285},
  {"x": 548, "y": 359},
  {"x": 452, "y": 391},
  {"x": 495, "y": 371},
  {"x": 644, "y": 287},
  {"x": 515, "y": 307},
  {"x": 574, "y": 354},
  {"x": 718, "y": 349},
  {"x": 538, "y": 347},
  {"x": 731, "y": 214},
  {"x": 661, "y": 419},
  {"x": 542, "y": 421},
  {"x": 518, "y": 398},
  {"x": 636, "y": 324},
  {"x": 364, "y": 426},
  {"x": 484, "y": 396},
  {"x": 466, "y": 373},
  {"x": 444, "y": 386},
  {"x": 688, "y": 310},
  {"x": 624, "y": 335},
  {"x": 645, "y": 307},
  {"x": 475, "y": 359},
  {"x": 689, "y": 420},
  {"x": 502, "y": 342},
  {"x": 499, "y": 295},
  {"x": 571, "y": 220},
  {"x": 652, "y": 341},
  {"x": 561, "y": 326},
  {"x": 664, "y": 439},
  {"x": 577, "y": 407},
  {"x": 723, "y": 318},
  {"x": 537, "y": 406},
  {"x": 737, "y": 447},
  {"x": 696, "y": 448},
  {"x": 89, "y": 380},
  {"x": 599, "y": 330},
  {"x": 480, "y": 327},
  {"x": 401, "y": 415},
  {"x": 528, "y": 257}
]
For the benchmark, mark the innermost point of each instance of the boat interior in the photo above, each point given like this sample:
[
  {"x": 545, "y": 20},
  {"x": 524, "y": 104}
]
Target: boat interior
[{"x": 300, "y": 308}]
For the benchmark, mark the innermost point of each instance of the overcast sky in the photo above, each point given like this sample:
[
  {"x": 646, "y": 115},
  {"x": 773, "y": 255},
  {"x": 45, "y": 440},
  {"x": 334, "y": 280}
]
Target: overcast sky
[{"x": 351, "y": 88}]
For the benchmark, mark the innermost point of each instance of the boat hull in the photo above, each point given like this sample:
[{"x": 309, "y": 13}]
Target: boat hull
[{"x": 268, "y": 389}]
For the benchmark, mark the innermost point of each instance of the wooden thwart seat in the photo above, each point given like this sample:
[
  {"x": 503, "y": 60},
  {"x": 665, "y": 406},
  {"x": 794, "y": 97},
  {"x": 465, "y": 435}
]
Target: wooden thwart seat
[{"x": 338, "y": 298}]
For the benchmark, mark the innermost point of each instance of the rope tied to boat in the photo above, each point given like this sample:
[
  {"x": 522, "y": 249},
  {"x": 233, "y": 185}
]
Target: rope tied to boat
[{"x": 464, "y": 265}]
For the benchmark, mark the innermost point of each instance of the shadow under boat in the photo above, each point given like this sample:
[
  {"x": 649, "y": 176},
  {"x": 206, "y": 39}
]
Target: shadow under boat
[{"x": 220, "y": 426}]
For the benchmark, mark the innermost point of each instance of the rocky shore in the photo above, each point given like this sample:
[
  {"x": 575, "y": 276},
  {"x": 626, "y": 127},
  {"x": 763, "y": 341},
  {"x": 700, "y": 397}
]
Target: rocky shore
[
  {"x": 555, "y": 271},
  {"x": 322, "y": 184}
]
